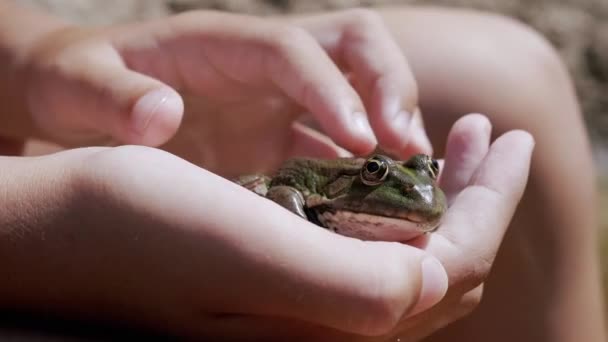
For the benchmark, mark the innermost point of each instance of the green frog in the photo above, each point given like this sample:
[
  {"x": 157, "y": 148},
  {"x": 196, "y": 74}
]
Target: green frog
[{"x": 376, "y": 198}]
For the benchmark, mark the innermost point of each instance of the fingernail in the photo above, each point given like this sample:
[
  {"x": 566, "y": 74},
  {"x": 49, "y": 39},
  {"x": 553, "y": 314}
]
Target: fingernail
[
  {"x": 155, "y": 102},
  {"x": 362, "y": 127},
  {"x": 434, "y": 284}
]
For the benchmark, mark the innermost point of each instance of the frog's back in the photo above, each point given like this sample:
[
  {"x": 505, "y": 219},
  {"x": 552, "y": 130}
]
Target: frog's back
[{"x": 311, "y": 175}]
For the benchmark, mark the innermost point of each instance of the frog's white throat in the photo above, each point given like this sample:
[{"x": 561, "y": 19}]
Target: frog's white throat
[{"x": 370, "y": 227}]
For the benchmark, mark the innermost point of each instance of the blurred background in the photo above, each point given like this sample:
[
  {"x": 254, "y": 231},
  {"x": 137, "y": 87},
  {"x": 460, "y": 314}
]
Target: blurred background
[{"x": 577, "y": 28}]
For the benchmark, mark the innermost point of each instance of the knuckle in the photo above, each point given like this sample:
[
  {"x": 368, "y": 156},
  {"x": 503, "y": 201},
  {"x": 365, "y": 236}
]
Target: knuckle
[
  {"x": 484, "y": 266},
  {"x": 365, "y": 18},
  {"x": 284, "y": 40},
  {"x": 382, "y": 315},
  {"x": 307, "y": 95},
  {"x": 471, "y": 300},
  {"x": 387, "y": 296},
  {"x": 480, "y": 259},
  {"x": 410, "y": 96},
  {"x": 404, "y": 82},
  {"x": 64, "y": 48},
  {"x": 480, "y": 263},
  {"x": 364, "y": 24}
]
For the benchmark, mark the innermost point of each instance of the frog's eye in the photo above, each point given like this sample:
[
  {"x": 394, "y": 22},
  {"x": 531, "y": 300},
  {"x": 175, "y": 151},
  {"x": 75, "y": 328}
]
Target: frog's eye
[
  {"x": 374, "y": 171},
  {"x": 434, "y": 168},
  {"x": 423, "y": 164}
]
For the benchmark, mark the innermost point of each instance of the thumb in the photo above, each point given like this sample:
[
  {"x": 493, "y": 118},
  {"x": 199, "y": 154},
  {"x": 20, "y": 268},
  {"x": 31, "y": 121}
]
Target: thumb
[
  {"x": 154, "y": 117},
  {"x": 138, "y": 109},
  {"x": 362, "y": 298},
  {"x": 369, "y": 290},
  {"x": 93, "y": 100}
]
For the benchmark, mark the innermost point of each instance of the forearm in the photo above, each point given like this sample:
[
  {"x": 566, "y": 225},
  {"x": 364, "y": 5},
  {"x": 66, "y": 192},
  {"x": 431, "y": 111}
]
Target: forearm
[
  {"x": 49, "y": 260},
  {"x": 67, "y": 249},
  {"x": 21, "y": 29},
  {"x": 34, "y": 193}
]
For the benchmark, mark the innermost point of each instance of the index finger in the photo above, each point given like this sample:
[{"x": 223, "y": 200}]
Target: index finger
[
  {"x": 215, "y": 53},
  {"x": 380, "y": 71}
]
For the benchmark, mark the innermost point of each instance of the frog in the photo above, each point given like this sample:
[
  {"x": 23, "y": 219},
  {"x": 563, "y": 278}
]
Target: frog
[{"x": 373, "y": 198}]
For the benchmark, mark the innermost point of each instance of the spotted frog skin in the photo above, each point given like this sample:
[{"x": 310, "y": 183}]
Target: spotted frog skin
[{"x": 377, "y": 198}]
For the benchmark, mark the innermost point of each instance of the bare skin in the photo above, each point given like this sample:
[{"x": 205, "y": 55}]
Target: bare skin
[
  {"x": 80, "y": 86},
  {"x": 213, "y": 117},
  {"x": 545, "y": 284}
]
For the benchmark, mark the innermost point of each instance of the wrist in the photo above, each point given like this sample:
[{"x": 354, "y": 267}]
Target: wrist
[{"x": 40, "y": 216}]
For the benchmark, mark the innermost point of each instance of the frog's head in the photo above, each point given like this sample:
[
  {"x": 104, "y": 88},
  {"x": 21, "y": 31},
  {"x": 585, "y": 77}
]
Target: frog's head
[{"x": 401, "y": 199}]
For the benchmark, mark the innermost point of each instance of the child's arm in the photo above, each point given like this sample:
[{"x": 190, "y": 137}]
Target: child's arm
[{"x": 111, "y": 234}]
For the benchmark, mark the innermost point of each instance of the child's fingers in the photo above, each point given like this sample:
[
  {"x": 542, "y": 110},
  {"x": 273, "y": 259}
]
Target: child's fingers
[
  {"x": 302, "y": 69},
  {"x": 468, "y": 143},
  {"x": 132, "y": 108},
  {"x": 208, "y": 53},
  {"x": 90, "y": 95},
  {"x": 417, "y": 139},
  {"x": 475, "y": 223},
  {"x": 311, "y": 143},
  {"x": 380, "y": 73},
  {"x": 154, "y": 118}
]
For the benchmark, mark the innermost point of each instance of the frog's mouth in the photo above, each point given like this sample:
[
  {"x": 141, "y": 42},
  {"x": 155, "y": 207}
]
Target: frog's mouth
[{"x": 367, "y": 226}]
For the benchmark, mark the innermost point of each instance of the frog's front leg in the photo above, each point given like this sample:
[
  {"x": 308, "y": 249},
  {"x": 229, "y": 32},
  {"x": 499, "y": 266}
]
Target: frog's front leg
[
  {"x": 259, "y": 184},
  {"x": 289, "y": 198}
]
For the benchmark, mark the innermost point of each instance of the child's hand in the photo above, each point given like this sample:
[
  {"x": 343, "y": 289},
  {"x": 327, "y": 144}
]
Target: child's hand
[
  {"x": 85, "y": 86},
  {"x": 136, "y": 234}
]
